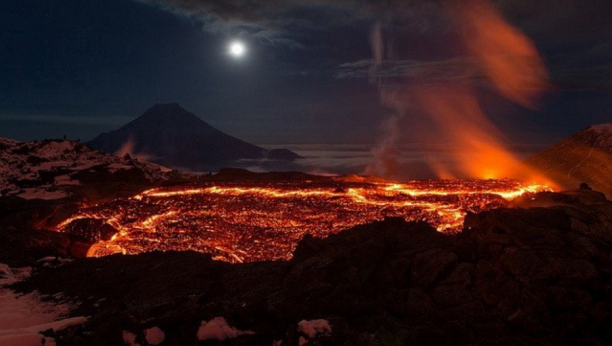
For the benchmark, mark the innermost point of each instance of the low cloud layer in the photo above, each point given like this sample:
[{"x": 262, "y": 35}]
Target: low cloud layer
[{"x": 453, "y": 69}]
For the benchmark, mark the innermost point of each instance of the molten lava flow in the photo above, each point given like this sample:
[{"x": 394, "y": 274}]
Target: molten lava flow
[{"x": 258, "y": 221}]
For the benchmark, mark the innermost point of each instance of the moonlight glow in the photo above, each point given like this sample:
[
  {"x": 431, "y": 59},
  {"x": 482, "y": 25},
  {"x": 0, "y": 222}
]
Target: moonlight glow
[{"x": 237, "y": 49}]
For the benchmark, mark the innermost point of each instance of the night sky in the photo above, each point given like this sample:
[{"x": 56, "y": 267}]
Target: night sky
[{"x": 82, "y": 67}]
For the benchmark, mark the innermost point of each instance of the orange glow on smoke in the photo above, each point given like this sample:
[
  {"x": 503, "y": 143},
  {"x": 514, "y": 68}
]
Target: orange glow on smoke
[
  {"x": 513, "y": 65},
  {"x": 253, "y": 222},
  {"x": 509, "y": 59},
  {"x": 128, "y": 148},
  {"x": 505, "y": 59},
  {"x": 472, "y": 137}
]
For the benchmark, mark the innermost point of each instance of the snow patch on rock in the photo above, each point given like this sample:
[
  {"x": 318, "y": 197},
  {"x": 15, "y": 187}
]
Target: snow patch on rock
[
  {"x": 63, "y": 180},
  {"x": 9, "y": 276},
  {"x": 154, "y": 336},
  {"x": 313, "y": 327},
  {"x": 42, "y": 193},
  {"x": 217, "y": 328},
  {"x": 129, "y": 338},
  {"x": 24, "y": 316}
]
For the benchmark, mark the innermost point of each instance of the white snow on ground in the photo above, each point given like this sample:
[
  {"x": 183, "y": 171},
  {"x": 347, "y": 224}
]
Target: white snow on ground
[
  {"x": 154, "y": 336},
  {"x": 9, "y": 275},
  {"x": 165, "y": 169},
  {"x": 129, "y": 338},
  {"x": 34, "y": 193},
  {"x": 54, "y": 148},
  {"x": 26, "y": 340},
  {"x": 313, "y": 327},
  {"x": 63, "y": 180},
  {"x": 24, "y": 316},
  {"x": 217, "y": 328}
]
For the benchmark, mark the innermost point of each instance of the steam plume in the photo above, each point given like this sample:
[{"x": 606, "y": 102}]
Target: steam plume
[{"x": 128, "y": 148}]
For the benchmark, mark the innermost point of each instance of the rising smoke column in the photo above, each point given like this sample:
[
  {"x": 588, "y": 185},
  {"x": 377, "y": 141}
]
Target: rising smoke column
[
  {"x": 505, "y": 59},
  {"x": 387, "y": 151}
]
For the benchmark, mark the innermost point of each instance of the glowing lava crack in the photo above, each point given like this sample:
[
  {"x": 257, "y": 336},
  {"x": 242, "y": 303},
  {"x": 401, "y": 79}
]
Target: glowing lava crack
[{"x": 258, "y": 221}]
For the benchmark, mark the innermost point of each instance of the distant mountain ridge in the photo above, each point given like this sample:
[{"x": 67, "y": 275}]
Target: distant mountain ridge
[
  {"x": 585, "y": 156},
  {"x": 171, "y": 136}
]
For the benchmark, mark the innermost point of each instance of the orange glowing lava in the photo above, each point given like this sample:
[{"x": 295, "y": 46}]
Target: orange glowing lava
[{"x": 263, "y": 221}]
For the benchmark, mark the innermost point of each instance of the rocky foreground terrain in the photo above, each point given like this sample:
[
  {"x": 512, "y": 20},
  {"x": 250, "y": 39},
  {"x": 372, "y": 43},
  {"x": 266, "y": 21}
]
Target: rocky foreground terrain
[{"x": 538, "y": 273}]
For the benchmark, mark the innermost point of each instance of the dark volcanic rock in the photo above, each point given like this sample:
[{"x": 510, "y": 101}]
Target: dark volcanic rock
[
  {"x": 91, "y": 230},
  {"x": 20, "y": 247},
  {"x": 21, "y": 243},
  {"x": 520, "y": 276}
]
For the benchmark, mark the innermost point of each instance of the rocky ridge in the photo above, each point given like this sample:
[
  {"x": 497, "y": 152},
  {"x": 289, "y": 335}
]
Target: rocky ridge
[
  {"x": 54, "y": 169},
  {"x": 585, "y": 156}
]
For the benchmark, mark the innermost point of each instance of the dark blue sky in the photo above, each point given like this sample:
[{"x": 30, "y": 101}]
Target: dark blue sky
[{"x": 81, "y": 67}]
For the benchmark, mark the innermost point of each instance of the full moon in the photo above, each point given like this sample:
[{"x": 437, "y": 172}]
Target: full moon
[{"x": 237, "y": 49}]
